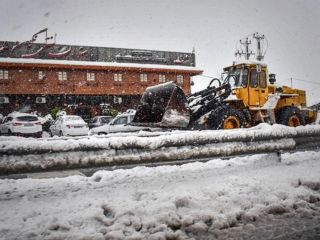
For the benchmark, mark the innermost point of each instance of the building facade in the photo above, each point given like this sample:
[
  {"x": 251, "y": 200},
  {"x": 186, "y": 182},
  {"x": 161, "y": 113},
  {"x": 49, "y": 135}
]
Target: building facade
[{"x": 46, "y": 76}]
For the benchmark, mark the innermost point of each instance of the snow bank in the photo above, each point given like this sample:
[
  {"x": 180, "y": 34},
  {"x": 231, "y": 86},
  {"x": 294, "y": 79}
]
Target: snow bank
[
  {"x": 20, "y": 155},
  {"x": 260, "y": 132},
  {"x": 176, "y": 202}
]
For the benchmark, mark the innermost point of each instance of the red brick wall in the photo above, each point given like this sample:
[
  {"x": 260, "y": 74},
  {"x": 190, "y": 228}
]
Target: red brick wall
[{"x": 25, "y": 81}]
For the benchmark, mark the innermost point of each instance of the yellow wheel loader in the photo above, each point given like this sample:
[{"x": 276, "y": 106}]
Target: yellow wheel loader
[{"x": 246, "y": 97}]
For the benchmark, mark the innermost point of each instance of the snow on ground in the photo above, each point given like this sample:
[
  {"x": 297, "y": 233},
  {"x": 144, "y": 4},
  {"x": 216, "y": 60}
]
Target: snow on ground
[{"x": 168, "y": 202}]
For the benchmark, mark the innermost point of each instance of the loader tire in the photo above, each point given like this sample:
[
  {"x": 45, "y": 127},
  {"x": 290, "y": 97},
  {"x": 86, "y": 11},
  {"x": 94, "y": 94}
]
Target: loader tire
[
  {"x": 291, "y": 116},
  {"x": 225, "y": 117}
]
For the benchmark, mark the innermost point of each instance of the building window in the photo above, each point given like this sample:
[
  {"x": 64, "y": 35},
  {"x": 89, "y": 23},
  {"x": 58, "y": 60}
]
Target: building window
[
  {"x": 4, "y": 74},
  {"x": 143, "y": 77},
  {"x": 62, "y": 76},
  {"x": 162, "y": 78},
  {"x": 91, "y": 76},
  {"x": 117, "y": 77},
  {"x": 180, "y": 79},
  {"x": 40, "y": 75}
]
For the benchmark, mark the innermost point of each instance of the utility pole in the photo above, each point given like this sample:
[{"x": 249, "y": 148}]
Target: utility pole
[
  {"x": 258, "y": 38},
  {"x": 244, "y": 49},
  {"x": 291, "y": 82},
  {"x": 246, "y": 52}
]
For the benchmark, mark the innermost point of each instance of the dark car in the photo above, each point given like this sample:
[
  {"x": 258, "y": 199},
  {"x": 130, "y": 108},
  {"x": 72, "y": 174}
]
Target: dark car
[{"x": 99, "y": 121}]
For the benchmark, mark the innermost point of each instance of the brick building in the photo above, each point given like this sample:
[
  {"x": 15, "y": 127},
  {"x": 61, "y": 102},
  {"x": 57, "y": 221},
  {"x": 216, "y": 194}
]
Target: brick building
[{"x": 48, "y": 75}]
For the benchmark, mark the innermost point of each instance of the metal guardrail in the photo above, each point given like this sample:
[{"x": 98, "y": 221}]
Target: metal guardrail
[{"x": 36, "y": 156}]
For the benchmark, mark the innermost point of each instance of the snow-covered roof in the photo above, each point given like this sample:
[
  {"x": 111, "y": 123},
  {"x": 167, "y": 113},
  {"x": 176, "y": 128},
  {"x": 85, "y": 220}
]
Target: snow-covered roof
[{"x": 100, "y": 64}]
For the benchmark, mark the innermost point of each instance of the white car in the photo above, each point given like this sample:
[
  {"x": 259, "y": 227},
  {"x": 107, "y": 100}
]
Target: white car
[
  {"x": 21, "y": 124},
  {"x": 118, "y": 124},
  {"x": 69, "y": 125}
]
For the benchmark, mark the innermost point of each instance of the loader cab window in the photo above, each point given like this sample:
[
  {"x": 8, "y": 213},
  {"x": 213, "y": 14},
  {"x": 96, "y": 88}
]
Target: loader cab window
[
  {"x": 253, "y": 78},
  {"x": 262, "y": 79},
  {"x": 239, "y": 78}
]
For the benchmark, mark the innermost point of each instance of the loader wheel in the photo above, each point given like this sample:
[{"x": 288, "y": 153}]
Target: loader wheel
[
  {"x": 227, "y": 118},
  {"x": 291, "y": 116}
]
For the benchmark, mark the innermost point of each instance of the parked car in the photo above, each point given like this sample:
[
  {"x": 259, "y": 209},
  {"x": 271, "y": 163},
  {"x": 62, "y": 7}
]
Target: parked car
[
  {"x": 21, "y": 124},
  {"x": 118, "y": 124},
  {"x": 99, "y": 121},
  {"x": 69, "y": 125}
]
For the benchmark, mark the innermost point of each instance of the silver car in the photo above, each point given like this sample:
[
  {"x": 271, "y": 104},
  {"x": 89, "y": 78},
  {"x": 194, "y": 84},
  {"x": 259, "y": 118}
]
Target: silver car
[
  {"x": 99, "y": 121},
  {"x": 119, "y": 124}
]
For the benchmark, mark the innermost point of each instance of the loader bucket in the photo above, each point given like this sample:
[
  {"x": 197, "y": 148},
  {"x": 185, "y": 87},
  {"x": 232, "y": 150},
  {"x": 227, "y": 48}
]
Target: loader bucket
[{"x": 163, "y": 105}]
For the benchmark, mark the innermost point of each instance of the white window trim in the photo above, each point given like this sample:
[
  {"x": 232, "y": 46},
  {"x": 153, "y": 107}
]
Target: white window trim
[
  {"x": 91, "y": 76},
  {"x": 143, "y": 77},
  {"x": 162, "y": 78},
  {"x": 40, "y": 75},
  {"x": 180, "y": 79},
  {"x": 4, "y": 74},
  {"x": 62, "y": 76},
  {"x": 117, "y": 77}
]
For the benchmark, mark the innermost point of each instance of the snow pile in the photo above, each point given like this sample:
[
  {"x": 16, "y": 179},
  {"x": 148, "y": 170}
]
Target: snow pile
[
  {"x": 177, "y": 202},
  {"x": 260, "y": 132},
  {"x": 28, "y": 155}
]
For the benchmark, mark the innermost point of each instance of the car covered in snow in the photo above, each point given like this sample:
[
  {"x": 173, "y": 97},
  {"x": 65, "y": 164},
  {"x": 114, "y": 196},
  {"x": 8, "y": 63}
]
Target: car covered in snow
[
  {"x": 119, "y": 124},
  {"x": 98, "y": 121},
  {"x": 21, "y": 124},
  {"x": 69, "y": 125}
]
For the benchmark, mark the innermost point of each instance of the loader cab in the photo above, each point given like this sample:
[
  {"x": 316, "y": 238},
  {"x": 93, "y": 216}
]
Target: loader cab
[{"x": 249, "y": 83}]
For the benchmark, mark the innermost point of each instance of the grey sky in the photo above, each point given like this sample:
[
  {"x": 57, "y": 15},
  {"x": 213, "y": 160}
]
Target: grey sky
[{"x": 212, "y": 27}]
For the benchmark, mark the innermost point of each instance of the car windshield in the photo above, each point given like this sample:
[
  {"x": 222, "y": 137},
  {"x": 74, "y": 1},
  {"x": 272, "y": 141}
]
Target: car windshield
[
  {"x": 73, "y": 118},
  {"x": 105, "y": 119},
  {"x": 120, "y": 120},
  {"x": 238, "y": 77},
  {"x": 93, "y": 120},
  {"x": 27, "y": 118}
]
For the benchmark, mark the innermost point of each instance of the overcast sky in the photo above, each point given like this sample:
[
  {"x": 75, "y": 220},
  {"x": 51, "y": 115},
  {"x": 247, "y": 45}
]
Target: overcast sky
[{"x": 212, "y": 27}]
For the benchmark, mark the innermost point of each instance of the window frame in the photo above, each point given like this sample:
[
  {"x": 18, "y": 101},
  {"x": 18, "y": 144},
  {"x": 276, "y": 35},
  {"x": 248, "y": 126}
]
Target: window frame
[
  {"x": 62, "y": 76},
  {"x": 264, "y": 85},
  {"x": 4, "y": 74},
  {"x": 41, "y": 75},
  {"x": 180, "y": 79},
  {"x": 91, "y": 76},
  {"x": 256, "y": 79},
  {"x": 162, "y": 78},
  {"x": 143, "y": 77},
  {"x": 117, "y": 77}
]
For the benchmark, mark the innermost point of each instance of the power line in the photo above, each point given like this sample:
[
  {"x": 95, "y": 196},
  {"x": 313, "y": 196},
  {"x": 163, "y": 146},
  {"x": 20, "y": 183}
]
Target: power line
[
  {"x": 303, "y": 80},
  {"x": 206, "y": 76}
]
